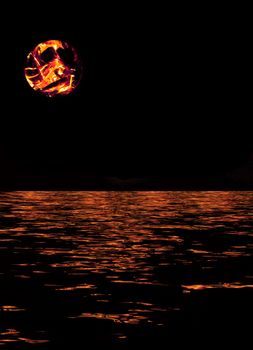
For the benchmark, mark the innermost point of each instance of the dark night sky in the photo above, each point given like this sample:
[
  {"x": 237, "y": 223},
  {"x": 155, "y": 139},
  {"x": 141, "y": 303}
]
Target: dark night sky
[{"x": 165, "y": 94}]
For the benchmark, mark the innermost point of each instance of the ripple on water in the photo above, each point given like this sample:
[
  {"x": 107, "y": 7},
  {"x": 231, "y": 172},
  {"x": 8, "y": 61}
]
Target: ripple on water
[{"x": 130, "y": 259}]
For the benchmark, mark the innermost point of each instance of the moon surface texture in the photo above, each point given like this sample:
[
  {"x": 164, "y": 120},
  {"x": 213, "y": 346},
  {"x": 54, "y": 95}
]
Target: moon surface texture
[{"x": 53, "y": 68}]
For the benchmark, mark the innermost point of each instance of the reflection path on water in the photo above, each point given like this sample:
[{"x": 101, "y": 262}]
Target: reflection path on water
[{"x": 128, "y": 259}]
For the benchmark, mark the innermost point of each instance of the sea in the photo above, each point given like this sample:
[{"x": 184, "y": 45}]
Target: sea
[{"x": 122, "y": 270}]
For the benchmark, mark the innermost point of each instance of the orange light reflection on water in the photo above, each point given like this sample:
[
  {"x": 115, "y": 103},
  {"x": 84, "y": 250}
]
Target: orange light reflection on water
[
  {"x": 96, "y": 244},
  {"x": 235, "y": 285},
  {"x": 117, "y": 231}
]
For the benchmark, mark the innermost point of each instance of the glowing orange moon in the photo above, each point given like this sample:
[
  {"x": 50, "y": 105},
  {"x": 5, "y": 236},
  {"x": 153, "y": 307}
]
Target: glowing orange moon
[{"x": 53, "y": 68}]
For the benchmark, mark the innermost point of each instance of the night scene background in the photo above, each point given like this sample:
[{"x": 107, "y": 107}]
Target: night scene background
[
  {"x": 164, "y": 99},
  {"x": 126, "y": 207}
]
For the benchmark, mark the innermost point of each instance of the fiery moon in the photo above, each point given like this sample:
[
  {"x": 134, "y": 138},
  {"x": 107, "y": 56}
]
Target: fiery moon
[{"x": 53, "y": 68}]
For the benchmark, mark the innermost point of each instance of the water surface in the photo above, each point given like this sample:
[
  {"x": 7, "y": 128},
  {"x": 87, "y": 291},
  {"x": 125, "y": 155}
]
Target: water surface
[{"x": 114, "y": 269}]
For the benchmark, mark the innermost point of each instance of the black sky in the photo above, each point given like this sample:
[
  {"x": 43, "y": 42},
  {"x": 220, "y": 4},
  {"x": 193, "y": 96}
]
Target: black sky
[{"x": 165, "y": 93}]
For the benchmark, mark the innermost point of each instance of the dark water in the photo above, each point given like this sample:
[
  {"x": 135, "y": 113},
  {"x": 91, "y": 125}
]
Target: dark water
[{"x": 80, "y": 270}]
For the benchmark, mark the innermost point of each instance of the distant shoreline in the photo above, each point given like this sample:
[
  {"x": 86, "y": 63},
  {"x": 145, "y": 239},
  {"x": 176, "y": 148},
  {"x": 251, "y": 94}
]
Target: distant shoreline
[{"x": 96, "y": 183}]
